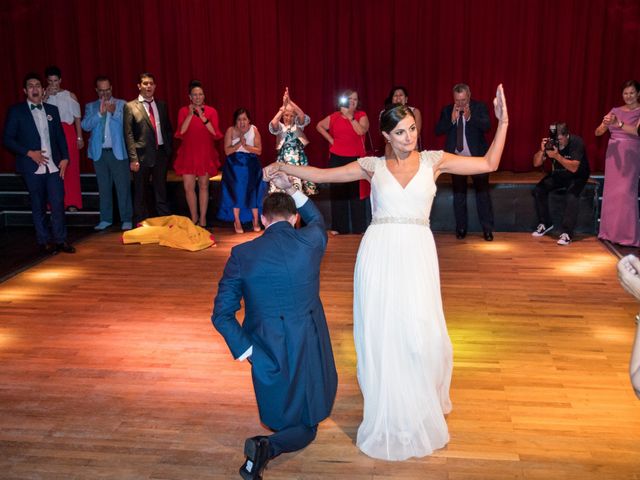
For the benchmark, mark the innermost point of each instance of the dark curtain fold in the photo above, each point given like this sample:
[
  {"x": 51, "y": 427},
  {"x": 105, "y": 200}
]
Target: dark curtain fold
[{"x": 558, "y": 60}]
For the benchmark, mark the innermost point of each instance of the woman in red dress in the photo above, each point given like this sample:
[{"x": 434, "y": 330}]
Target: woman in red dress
[
  {"x": 197, "y": 156},
  {"x": 69, "y": 108}
]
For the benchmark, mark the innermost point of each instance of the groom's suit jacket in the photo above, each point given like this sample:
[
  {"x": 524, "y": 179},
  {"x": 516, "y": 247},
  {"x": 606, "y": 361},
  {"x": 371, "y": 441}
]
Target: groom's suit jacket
[{"x": 278, "y": 276}]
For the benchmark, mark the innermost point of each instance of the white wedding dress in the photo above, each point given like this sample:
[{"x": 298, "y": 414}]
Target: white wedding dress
[{"x": 403, "y": 348}]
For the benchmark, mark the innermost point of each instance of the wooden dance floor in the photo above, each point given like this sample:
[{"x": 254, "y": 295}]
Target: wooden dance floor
[{"x": 111, "y": 369}]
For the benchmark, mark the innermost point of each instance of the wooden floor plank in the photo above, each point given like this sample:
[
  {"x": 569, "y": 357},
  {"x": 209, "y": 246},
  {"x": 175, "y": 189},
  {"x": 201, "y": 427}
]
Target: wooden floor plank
[{"x": 111, "y": 368}]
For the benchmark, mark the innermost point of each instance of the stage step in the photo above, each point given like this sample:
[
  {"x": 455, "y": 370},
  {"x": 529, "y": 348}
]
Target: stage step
[{"x": 513, "y": 204}]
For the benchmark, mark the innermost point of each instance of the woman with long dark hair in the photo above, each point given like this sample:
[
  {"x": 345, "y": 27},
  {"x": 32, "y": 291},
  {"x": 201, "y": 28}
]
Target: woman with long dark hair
[{"x": 404, "y": 353}]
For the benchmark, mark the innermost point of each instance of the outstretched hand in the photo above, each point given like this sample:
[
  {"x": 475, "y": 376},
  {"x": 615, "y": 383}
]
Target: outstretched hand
[
  {"x": 281, "y": 180},
  {"x": 629, "y": 275},
  {"x": 500, "y": 106},
  {"x": 270, "y": 170}
]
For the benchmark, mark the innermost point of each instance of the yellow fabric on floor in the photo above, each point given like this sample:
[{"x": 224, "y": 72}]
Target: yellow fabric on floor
[{"x": 171, "y": 231}]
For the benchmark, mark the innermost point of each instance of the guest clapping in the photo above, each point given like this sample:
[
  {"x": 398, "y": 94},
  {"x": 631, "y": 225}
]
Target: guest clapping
[
  {"x": 345, "y": 130},
  {"x": 197, "y": 156},
  {"x": 619, "y": 217},
  {"x": 288, "y": 127},
  {"x": 103, "y": 118},
  {"x": 242, "y": 186}
]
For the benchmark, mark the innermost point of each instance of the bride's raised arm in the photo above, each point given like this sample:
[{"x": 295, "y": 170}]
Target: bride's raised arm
[
  {"x": 346, "y": 173},
  {"x": 461, "y": 165}
]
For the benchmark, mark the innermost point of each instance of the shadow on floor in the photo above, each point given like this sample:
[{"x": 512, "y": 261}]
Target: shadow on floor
[{"x": 20, "y": 250}]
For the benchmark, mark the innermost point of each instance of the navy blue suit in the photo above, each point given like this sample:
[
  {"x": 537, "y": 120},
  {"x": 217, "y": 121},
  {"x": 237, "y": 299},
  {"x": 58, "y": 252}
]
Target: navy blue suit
[
  {"x": 474, "y": 131},
  {"x": 293, "y": 371},
  {"x": 20, "y": 136}
]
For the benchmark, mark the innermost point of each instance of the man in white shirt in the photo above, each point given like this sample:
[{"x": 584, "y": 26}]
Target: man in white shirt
[{"x": 33, "y": 132}]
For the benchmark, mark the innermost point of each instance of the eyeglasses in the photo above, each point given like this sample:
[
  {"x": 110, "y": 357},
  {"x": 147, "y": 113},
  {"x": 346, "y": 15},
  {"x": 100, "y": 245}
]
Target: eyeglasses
[{"x": 103, "y": 91}]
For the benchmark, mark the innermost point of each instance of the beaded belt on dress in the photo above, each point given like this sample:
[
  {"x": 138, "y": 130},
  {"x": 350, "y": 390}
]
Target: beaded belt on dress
[{"x": 402, "y": 220}]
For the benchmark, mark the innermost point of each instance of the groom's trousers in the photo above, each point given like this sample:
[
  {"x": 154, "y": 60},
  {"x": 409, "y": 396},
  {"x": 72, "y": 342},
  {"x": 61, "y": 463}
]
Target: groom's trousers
[{"x": 291, "y": 439}]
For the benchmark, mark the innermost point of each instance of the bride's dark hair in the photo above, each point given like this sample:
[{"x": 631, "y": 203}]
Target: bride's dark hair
[{"x": 392, "y": 115}]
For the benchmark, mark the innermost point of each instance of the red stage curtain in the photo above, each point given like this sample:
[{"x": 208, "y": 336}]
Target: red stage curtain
[{"x": 558, "y": 60}]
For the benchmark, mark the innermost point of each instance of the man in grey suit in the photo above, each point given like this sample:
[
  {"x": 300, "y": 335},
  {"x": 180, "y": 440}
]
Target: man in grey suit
[{"x": 148, "y": 135}]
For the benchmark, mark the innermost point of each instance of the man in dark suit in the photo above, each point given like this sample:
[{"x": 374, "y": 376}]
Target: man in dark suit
[
  {"x": 465, "y": 122},
  {"x": 284, "y": 333},
  {"x": 33, "y": 132},
  {"x": 148, "y": 135}
]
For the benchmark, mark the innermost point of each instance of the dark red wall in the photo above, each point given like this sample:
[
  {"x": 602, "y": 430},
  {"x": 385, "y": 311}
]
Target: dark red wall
[{"x": 558, "y": 60}]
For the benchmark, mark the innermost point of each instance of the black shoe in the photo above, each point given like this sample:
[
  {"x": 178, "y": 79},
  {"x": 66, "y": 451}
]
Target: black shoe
[
  {"x": 461, "y": 233},
  {"x": 48, "y": 248},
  {"x": 65, "y": 247},
  {"x": 488, "y": 235},
  {"x": 256, "y": 450}
]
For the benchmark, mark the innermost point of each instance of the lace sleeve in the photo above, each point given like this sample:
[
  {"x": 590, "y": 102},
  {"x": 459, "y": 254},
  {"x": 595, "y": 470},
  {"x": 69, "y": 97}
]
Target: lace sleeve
[
  {"x": 431, "y": 157},
  {"x": 368, "y": 163}
]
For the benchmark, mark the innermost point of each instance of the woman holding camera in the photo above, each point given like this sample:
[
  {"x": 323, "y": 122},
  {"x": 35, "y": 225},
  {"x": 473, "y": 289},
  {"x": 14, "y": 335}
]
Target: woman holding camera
[
  {"x": 345, "y": 130},
  {"x": 619, "y": 215},
  {"x": 197, "y": 156}
]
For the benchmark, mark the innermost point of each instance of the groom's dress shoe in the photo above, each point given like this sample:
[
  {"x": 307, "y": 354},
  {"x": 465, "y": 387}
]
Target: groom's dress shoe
[
  {"x": 488, "y": 235},
  {"x": 256, "y": 450},
  {"x": 461, "y": 233}
]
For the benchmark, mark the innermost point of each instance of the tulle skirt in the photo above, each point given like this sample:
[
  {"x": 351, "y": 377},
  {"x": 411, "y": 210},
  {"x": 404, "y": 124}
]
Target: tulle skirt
[{"x": 405, "y": 357}]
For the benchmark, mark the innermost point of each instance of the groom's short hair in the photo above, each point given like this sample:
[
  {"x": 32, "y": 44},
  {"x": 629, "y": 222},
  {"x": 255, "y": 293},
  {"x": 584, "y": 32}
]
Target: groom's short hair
[{"x": 278, "y": 205}]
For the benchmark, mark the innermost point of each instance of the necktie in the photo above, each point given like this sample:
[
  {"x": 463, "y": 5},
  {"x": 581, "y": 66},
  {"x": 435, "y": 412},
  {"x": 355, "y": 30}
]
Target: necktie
[
  {"x": 459, "y": 134},
  {"x": 152, "y": 117},
  {"x": 103, "y": 121},
  {"x": 34, "y": 106}
]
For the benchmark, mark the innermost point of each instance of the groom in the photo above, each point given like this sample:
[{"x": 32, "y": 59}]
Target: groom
[{"x": 284, "y": 334}]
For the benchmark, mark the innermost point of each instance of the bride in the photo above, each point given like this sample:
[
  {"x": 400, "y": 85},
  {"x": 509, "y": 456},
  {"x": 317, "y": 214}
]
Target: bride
[{"x": 403, "y": 349}]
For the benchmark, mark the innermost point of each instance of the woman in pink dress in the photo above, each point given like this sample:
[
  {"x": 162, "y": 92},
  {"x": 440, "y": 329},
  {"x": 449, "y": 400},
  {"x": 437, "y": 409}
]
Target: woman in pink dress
[
  {"x": 69, "y": 108},
  {"x": 619, "y": 221},
  {"x": 197, "y": 156}
]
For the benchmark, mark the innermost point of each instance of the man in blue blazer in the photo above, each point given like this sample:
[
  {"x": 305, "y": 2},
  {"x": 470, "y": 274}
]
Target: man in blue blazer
[
  {"x": 465, "y": 123},
  {"x": 103, "y": 118},
  {"x": 284, "y": 333},
  {"x": 33, "y": 132}
]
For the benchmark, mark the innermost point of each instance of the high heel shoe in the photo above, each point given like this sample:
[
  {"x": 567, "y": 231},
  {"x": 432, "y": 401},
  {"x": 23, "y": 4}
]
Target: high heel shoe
[
  {"x": 256, "y": 228},
  {"x": 238, "y": 227}
]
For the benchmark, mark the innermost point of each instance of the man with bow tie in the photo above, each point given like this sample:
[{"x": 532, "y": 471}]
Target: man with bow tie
[
  {"x": 33, "y": 132},
  {"x": 148, "y": 135}
]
